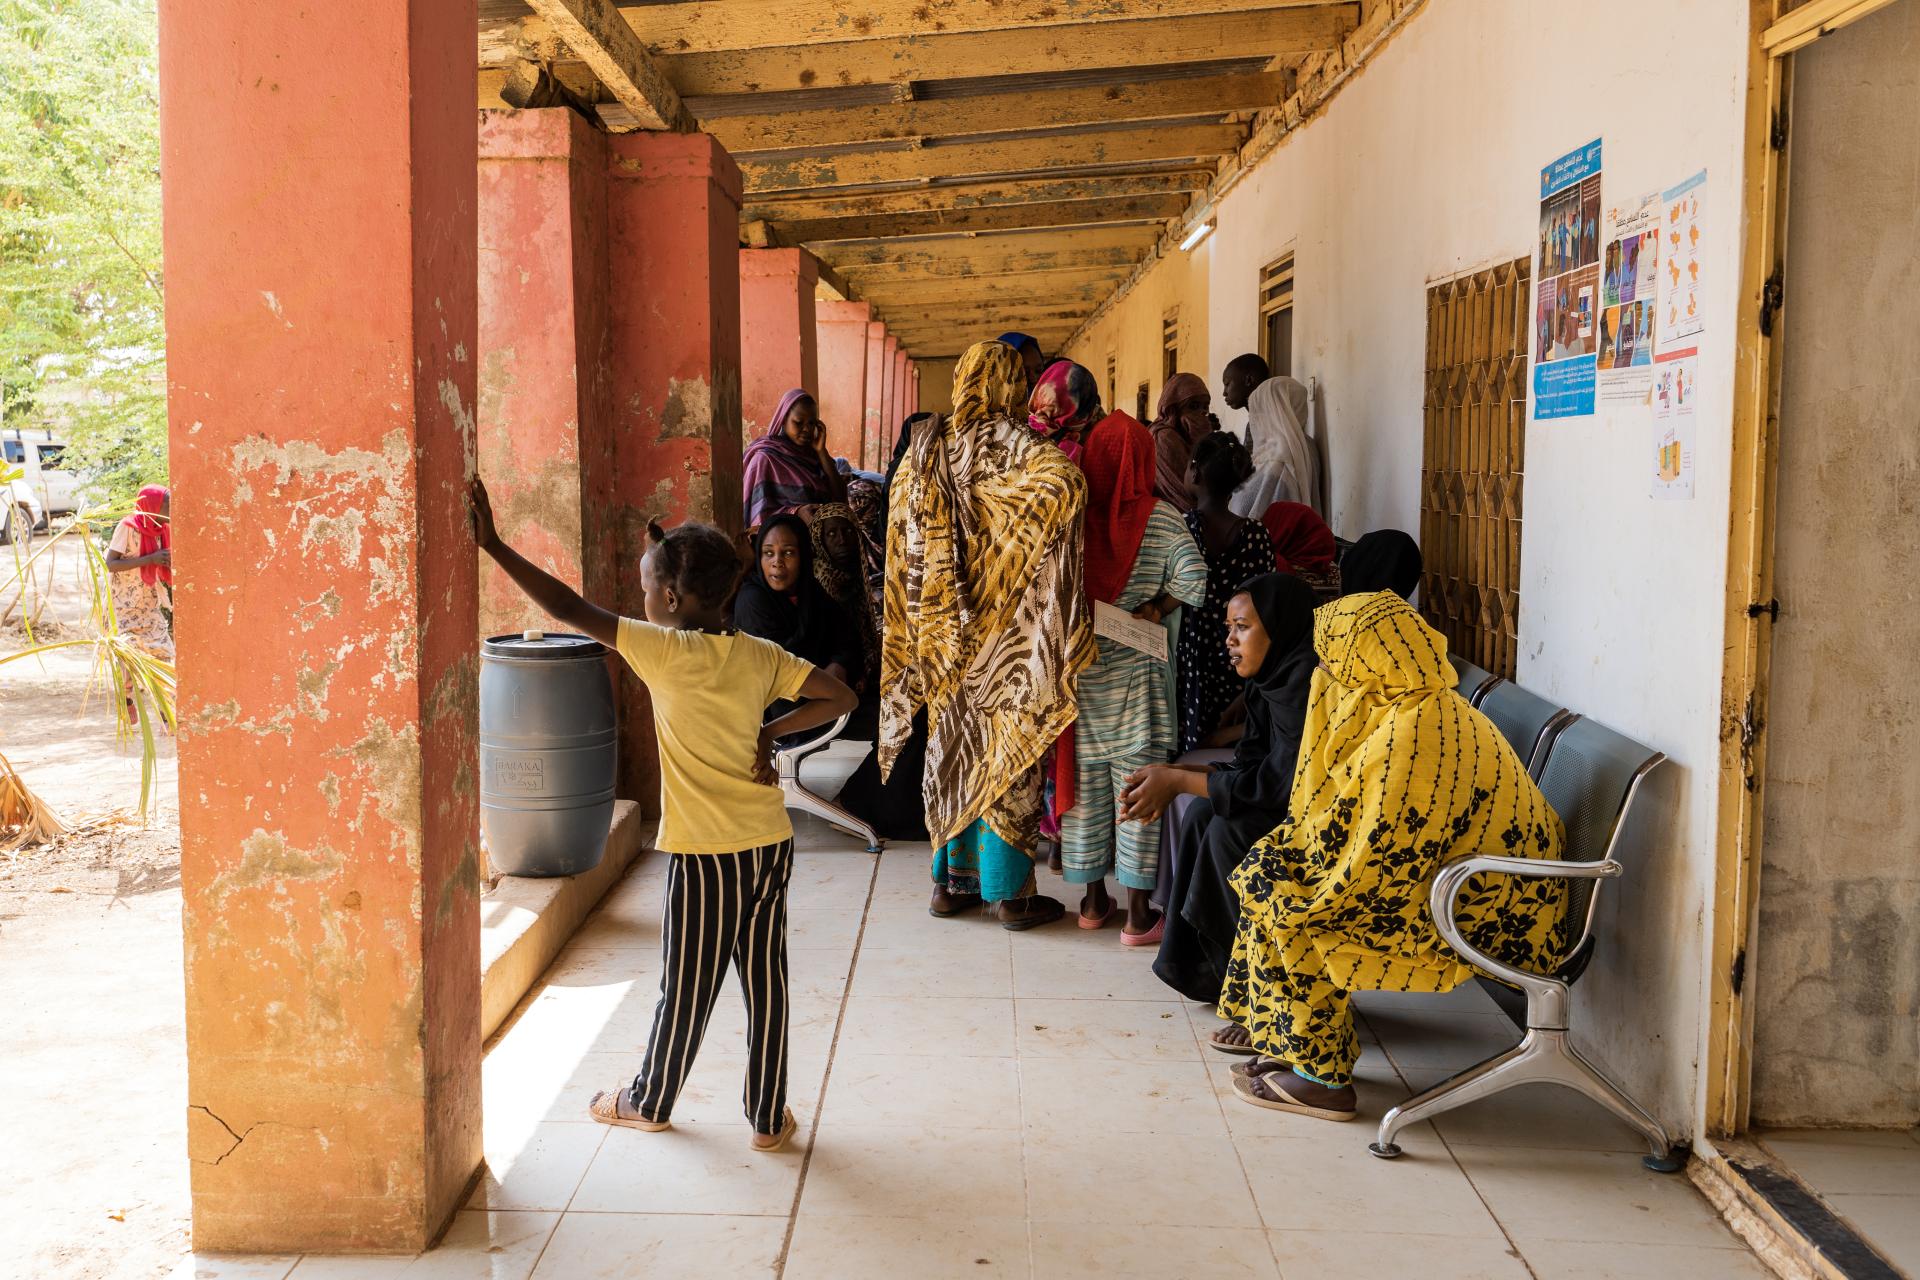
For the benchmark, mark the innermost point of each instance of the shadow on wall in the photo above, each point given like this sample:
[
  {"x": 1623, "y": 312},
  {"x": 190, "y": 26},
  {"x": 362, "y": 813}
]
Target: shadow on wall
[{"x": 1647, "y": 932}]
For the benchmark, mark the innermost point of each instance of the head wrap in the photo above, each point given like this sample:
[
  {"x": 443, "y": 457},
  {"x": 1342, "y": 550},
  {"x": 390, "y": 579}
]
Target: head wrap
[
  {"x": 1017, "y": 340},
  {"x": 989, "y": 383},
  {"x": 1064, "y": 400},
  {"x": 1301, "y": 538},
  {"x": 776, "y": 474},
  {"x": 1285, "y": 605},
  {"x": 1286, "y": 467},
  {"x": 1176, "y": 429},
  {"x": 802, "y": 619},
  {"x": 1119, "y": 466},
  {"x": 154, "y": 531},
  {"x": 1384, "y": 560}
]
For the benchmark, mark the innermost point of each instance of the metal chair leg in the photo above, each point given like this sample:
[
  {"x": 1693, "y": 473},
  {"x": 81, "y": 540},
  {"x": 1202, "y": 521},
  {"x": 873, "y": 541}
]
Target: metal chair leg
[
  {"x": 1543, "y": 1057},
  {"x": 798, "y": 797}
]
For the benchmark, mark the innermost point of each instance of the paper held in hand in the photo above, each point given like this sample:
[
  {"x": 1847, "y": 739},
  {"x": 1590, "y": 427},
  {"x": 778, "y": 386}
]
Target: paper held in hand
[{"x": 1118, "y": 625}]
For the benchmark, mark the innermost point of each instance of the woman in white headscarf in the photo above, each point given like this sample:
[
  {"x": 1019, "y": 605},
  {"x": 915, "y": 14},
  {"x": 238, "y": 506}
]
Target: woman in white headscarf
[{"x": 1286, "y": 467}]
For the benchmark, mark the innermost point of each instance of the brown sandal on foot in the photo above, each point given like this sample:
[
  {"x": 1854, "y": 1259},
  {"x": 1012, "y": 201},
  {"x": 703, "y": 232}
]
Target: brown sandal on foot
[
  {"x": 767, "y": 1143},
  {"x": 1288, "y": 1092},
  {"x": 1215, "y": 1042},
  {"x": 1260, "y": 1066},
  {"x": 605, "y": 1108}
]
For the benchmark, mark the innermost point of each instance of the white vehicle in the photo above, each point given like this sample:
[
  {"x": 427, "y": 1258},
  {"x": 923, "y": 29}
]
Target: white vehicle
[
  {"x": 20, "y": 509},
  {"x": 38, "y": 455}
]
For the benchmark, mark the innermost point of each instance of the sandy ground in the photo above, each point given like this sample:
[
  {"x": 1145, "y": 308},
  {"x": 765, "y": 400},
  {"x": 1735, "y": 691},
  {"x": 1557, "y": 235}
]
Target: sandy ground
[{"x": 93, "y": 1175}]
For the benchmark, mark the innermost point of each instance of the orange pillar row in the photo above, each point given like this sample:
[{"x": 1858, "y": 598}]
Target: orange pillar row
[
  {"x": 902, "y": 393},
  {"x": 546, "y": 396},
  {"x": 673, "y": 245},
  {"x": 778, "y": 347},
  {"x": 889, "y": 397},
  {"x": 841, "y": 336},
  {"x": 319, "y": 210},
  {"x": 879, "y": 375}
]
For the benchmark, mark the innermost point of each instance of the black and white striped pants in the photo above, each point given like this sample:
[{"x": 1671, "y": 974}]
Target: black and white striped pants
[{"x": 721, "y": 906}]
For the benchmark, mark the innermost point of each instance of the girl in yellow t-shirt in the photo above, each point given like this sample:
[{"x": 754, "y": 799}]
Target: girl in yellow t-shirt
[{"x": 723, "y": 819}]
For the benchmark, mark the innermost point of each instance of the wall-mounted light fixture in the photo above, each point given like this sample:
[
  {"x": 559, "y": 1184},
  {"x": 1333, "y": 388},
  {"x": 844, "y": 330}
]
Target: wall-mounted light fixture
[{"x": 1198, "y": 232}]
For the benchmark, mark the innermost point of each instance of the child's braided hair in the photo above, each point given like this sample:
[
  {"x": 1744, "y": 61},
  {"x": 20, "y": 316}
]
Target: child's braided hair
[
  {"x": 697, "y": 561},
  {"x": 1222, "y": 462}
]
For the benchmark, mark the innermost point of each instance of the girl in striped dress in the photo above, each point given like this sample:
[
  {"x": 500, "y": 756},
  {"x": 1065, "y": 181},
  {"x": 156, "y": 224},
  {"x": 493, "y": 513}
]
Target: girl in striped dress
[{"x": 1141, "y": 559}]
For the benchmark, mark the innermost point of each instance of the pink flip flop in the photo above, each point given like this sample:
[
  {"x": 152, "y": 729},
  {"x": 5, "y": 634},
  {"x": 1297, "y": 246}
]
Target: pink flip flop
[
  {"x": 1099, "y": 922},
  {"x": 1151, "y": 938}
]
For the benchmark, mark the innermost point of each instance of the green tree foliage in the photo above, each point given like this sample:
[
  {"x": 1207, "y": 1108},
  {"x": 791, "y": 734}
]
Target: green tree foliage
[{"x": 82, "y": 347}]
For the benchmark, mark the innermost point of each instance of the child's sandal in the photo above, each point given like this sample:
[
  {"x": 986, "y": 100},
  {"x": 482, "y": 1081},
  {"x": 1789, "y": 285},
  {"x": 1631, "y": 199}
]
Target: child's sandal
[
  {"x": 605, "y": 1108},
  {"x": 767, "y": 1143}
]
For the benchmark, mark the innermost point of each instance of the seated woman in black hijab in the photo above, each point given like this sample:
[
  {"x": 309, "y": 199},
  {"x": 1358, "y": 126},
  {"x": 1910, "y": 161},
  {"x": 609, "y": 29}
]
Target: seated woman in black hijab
[
  {"x": 1384, "y": 560},
  {"x": 1270, "y": 639},
  {"x": 781, "y": 600}
]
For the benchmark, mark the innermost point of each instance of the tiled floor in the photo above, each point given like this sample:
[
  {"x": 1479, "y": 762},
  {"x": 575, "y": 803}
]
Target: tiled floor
[
  {"x": 983, "y": 1104},
  {"x": 1870, "y": 1178}
]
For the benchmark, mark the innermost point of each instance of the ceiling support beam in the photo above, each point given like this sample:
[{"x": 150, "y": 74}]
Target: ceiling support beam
[
  {"x": 998, "y": 113},
  {"x": 1007, "y": 217},
  {"x": 600, "y": 37},
  {"x": 992, "y": 194},
  {"x": 775, "y": 171}
]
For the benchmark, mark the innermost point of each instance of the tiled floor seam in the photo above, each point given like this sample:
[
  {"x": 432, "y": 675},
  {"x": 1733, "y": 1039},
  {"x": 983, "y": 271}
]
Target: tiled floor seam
[
  {"x": 826, "y": 1077},
  {"x": 1513, "y": 1246}
]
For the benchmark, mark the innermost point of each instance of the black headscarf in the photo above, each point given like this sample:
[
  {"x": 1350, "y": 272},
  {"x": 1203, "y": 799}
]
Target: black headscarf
[
  {"x": 1261, "y": 775},
  {"x": 900, "y": 447},
  {"x": 1384, "y": 560},
  {"x": 803, "y": 620}
]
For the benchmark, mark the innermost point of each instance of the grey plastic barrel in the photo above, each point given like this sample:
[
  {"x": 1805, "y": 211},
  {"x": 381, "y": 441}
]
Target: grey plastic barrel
[{"x": 547, "y": 753}]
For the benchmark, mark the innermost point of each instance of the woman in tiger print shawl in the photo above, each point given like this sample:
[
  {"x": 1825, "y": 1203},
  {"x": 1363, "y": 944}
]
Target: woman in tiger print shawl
[{"x": 987, "y": 627}]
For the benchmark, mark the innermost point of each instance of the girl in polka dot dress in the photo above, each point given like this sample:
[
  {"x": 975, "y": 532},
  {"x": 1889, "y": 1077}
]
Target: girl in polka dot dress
[{"x": 1236, "y": 549}]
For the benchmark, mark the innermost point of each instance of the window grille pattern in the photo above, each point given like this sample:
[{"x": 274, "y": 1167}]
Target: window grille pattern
[{"x": 1473, "y": 462}]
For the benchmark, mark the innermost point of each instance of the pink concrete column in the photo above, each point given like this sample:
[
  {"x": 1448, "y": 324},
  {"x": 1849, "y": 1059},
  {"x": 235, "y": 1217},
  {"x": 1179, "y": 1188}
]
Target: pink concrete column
[
  {"x": 546, "y": 394},
  {"x": 902, "y": 392},
  {"x": 842, "y": 336},
  {"x": 319, "y": 201},
  {"x": 673, "y": 249},
  {"x": 889, "y": 393},
  {"x": 879, "y": 375},
  {"x": 778, "y": 351}
]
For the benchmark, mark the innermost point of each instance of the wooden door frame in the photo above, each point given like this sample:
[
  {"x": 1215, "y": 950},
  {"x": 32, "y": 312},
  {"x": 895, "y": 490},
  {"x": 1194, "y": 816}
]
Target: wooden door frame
[{"x": 1749, "y": 615}]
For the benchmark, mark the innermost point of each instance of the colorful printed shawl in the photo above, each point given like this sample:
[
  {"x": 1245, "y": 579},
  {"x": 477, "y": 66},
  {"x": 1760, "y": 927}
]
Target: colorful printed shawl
[
  {"x": 1176, "y": 430},
  {"x": 987, "y": 623},
  {"x": 1397, "y": 776},
  {"x": 777, "y": 475}
]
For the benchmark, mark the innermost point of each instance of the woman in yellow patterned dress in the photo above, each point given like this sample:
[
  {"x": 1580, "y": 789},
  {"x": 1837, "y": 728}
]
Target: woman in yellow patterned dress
[
  {"x": 987, "y": 628},
  {"x": 1397, "y": 776}
]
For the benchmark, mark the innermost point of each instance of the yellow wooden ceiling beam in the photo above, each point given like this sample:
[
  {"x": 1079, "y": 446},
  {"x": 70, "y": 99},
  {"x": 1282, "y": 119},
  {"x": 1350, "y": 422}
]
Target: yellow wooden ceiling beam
[
  {"x": 1060, "y": 214},
  {"x": 992, "y": 193},
  {"x": 597, "y": 34}
]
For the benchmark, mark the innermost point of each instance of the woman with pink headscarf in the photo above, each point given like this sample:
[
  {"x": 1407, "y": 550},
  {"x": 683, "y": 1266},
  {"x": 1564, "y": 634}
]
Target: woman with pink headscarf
[
  {"x": 140, "y": 560},
  {"x": 789, "y": 468}
]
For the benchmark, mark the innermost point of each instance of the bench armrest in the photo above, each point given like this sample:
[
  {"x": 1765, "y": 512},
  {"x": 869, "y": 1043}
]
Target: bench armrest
[{"x": 1545, "y": 996}]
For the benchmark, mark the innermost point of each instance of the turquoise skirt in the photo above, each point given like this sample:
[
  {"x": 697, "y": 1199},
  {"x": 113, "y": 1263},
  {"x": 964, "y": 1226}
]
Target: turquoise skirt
[{"x": 979, "y": 861}]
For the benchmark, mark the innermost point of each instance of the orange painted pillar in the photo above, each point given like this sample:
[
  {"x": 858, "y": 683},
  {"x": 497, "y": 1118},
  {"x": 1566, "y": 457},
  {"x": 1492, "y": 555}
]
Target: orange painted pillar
[
  {"x": 902, "y": 393},
  {"x": 889, "y": 392},
  {"x": 546, "y": 395},
  {"x": 879, "y": 372},
  {"x": 841, "y": 328},
  {"x": 673, "y": 249},
  {"x": 319, "y": 200},
  {"x": 778, "y": 351}
]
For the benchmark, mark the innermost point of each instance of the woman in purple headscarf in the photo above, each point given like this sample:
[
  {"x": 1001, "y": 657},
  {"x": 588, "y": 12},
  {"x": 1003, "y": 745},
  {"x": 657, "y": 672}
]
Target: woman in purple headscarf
[{"x": 789, "y": 468}]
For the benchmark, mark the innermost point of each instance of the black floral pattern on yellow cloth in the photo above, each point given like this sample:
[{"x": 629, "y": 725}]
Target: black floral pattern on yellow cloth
[{"x": 1397, "y": 776}]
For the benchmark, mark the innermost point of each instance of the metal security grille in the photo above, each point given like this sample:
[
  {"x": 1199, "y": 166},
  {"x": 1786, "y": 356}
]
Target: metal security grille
[
  {"x": 1470, "y": 491},
  {"x": 1276, "y": 315}
]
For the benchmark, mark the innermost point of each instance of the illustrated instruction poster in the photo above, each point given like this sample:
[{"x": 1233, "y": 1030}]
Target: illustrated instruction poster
[
  {"x": 1629, "y": 303},
  {"x": 1674, "y": 388},
  {"x": 1682, "y": 233},
  {"x": 1566, "y": 275}
]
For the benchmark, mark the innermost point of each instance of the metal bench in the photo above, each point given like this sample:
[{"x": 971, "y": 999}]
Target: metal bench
[
  {"x": 1526, "y": 720},
  {"x": 787, "y": 759},
  {"x": 1591, "y": 778},
  {"x": 1474, "y": 682}
]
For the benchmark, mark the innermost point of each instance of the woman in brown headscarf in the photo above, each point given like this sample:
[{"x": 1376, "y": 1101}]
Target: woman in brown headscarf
[
  {"x": 1182, "y": 420},
  {"x": 987, "y": 628}
]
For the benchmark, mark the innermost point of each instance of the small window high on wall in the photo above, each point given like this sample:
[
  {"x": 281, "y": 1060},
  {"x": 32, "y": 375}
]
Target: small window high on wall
[
  {"x": 1473, "y": 461},
  {"x": 1113, "y": 385},
  {"x": 1169, "y": 346},
  {"x": 1276, "y": 315}
]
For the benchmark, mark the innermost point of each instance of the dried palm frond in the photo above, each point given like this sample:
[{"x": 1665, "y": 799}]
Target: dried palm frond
[{"x": 26, "y": 816}]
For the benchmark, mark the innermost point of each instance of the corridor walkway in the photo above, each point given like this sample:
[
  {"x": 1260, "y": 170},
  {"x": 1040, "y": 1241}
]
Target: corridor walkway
[{"x": 984, "y": 1104}]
